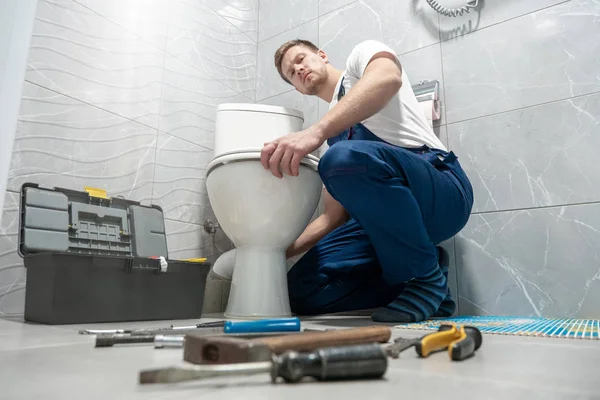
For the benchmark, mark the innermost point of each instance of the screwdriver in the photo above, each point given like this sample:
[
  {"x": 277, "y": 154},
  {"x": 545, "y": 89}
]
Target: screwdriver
[
  {"x": 461, "y": 342},
  {"x": 262, "y": 325},
  {"x": 365, "y": 361},
  {"x": 172, "y": 341},
  {"x": 146, "y": 331}
]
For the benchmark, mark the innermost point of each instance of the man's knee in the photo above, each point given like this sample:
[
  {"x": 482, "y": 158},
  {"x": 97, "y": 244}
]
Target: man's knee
[
  {"x": 343, "y": 158},
  {"x": 360, "y": 161}
]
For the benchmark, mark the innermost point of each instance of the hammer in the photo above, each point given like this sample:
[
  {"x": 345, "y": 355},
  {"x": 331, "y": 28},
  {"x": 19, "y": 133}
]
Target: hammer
[{"x": 199, "y": 349}]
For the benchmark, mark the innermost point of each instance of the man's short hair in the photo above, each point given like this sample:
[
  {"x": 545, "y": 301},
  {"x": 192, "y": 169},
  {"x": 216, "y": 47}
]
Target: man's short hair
[{"x": 285, "y": 47}]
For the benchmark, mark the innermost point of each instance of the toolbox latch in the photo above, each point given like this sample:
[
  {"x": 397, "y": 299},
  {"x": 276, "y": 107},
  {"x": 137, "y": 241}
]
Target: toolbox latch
[{"x": 96, "y": 192}]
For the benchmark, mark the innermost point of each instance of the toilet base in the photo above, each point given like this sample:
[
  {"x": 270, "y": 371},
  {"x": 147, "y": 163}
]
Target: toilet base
[{"x": 259, "y": 284}]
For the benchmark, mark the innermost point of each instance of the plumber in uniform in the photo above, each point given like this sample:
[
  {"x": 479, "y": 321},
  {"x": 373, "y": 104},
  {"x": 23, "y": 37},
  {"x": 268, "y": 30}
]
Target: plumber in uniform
[{"x": 392, "y": 192}]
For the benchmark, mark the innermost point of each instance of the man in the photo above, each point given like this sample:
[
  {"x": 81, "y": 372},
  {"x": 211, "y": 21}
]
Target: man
[{"x": 391, "y": 190}]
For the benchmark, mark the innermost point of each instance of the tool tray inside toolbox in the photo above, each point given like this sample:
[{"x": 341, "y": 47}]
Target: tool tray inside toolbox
[{"x": 90, "y": 258}]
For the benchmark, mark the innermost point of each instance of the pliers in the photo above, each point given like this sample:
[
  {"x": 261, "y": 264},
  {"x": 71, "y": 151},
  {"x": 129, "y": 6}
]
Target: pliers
[{"x": 460, "y": 341}]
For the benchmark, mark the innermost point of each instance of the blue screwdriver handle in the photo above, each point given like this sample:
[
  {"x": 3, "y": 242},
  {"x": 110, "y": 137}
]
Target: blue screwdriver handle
[{"x": 263, "y": 325}]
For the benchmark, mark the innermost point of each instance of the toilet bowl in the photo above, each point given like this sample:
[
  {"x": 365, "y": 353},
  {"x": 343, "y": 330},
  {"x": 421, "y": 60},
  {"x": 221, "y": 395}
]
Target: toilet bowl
[{"x": 261, "y": 214}]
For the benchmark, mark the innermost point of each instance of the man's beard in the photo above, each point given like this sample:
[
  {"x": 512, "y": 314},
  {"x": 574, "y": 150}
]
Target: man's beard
[{"x": 315, "y": 84}]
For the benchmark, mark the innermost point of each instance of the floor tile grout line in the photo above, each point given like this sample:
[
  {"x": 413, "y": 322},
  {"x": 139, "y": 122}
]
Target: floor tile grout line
[{"x": 521, "y": 108}]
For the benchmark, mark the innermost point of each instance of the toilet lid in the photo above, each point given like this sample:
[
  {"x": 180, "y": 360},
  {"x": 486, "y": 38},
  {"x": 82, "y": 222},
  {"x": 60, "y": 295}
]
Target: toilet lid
[{"x": 308, "y": 161}]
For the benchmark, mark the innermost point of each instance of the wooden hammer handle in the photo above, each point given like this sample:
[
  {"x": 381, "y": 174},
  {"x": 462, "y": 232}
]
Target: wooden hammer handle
[{"x": 308, "y": 341}]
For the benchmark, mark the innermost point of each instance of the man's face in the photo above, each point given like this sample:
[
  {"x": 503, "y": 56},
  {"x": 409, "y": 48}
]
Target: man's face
[{"x": 305, "y": 69}]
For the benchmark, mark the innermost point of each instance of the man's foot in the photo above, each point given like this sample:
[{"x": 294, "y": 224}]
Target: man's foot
[
  {"x": 448, "y": 306},
  {"x": 419, "y": 301}
]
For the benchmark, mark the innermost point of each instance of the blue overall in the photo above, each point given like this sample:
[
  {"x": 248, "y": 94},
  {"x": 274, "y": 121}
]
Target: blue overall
[{"x": 402, "y": 202}]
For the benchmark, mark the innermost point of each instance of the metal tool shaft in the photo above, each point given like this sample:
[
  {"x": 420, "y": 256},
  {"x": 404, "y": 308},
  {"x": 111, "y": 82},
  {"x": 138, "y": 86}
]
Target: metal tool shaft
[
  {"x": 110, "y": 340},
  {"x": 332, "y": 363},
  {"x": 162, "y": 341},
  {"x": 175, "y": 374},
  {"x": 229, "y": 327}
]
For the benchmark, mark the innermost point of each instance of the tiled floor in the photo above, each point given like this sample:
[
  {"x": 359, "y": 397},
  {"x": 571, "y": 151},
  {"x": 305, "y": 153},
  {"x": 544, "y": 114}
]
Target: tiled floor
[{"x": 55, "y": 362}]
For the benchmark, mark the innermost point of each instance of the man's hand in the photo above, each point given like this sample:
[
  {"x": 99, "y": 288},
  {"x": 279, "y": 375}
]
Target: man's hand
[{"x": 285, "y": 153}]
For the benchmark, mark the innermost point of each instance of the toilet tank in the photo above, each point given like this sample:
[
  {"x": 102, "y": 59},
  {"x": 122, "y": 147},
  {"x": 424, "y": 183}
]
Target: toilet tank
[{"x": 244, "y": 127}]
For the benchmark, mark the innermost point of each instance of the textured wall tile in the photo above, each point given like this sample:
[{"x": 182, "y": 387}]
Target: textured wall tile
[
  {"x": 448, "y": 245},
  {"x": 243, "y": 14},
  {"x": 189, "y": 101},
  {"x": 278, "y": 16},
  {"x": 442, "y": 132},
  {"x": 542, "y": 262},
  {"x": 201, "y": 38},
  {"x": 488, "y": 13},
  {"x": 190, "y": 241},
  {"x": 12, "y": 272},
  {"x": 179, "y": 179},
  {"x": 545, "y": 56},
  {"x": 268, "y": 81},
  {"x": 65, "y": 143},
  {"x": 145, "y": 18},
  {"x": 326, "y": 6},
  {"x": 297, "y": 101},
  {"x": 540, "y": 156},
  {"x": 76, "y": 52},
  {"x": 403, "y": 25},
  {"x": 426, "y": 65}
]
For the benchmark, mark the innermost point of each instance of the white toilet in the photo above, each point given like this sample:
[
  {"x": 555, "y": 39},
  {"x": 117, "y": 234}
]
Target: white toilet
[{"x": 261, "y": 214}]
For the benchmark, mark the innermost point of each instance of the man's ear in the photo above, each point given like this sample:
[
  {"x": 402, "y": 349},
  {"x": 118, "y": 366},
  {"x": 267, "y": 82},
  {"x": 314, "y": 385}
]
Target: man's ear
[{"x": 322, "y": 54}]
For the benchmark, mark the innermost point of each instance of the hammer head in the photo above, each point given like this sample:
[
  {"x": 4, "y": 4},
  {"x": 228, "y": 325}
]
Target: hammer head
[{"x": 223, "y": 350}]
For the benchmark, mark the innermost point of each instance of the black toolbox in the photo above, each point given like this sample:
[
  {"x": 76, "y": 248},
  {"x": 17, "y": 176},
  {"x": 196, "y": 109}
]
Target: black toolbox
[{"x": 90, "y": 259}]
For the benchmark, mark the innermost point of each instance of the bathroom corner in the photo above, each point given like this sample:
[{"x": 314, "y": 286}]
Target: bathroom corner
[{"x": 122, "y": 96}]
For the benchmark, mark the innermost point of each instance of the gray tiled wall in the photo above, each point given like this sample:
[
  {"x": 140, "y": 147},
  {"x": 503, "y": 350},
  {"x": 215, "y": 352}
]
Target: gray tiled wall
[
  {"x": 121, "y": 95},
  {"x": 521, "y": 101}
]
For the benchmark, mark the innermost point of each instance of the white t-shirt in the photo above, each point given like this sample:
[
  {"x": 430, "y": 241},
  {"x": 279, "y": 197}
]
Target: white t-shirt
[{"x": 401, "y": 122}]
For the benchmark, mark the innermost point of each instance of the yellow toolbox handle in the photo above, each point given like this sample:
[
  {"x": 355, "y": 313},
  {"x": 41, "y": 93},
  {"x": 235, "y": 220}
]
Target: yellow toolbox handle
[{"x": 96, "y": 192}]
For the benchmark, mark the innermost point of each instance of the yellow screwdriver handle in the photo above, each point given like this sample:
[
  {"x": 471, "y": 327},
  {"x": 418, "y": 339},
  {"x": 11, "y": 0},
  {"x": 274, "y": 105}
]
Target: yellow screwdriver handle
[{"x": 437, "y": 341}]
